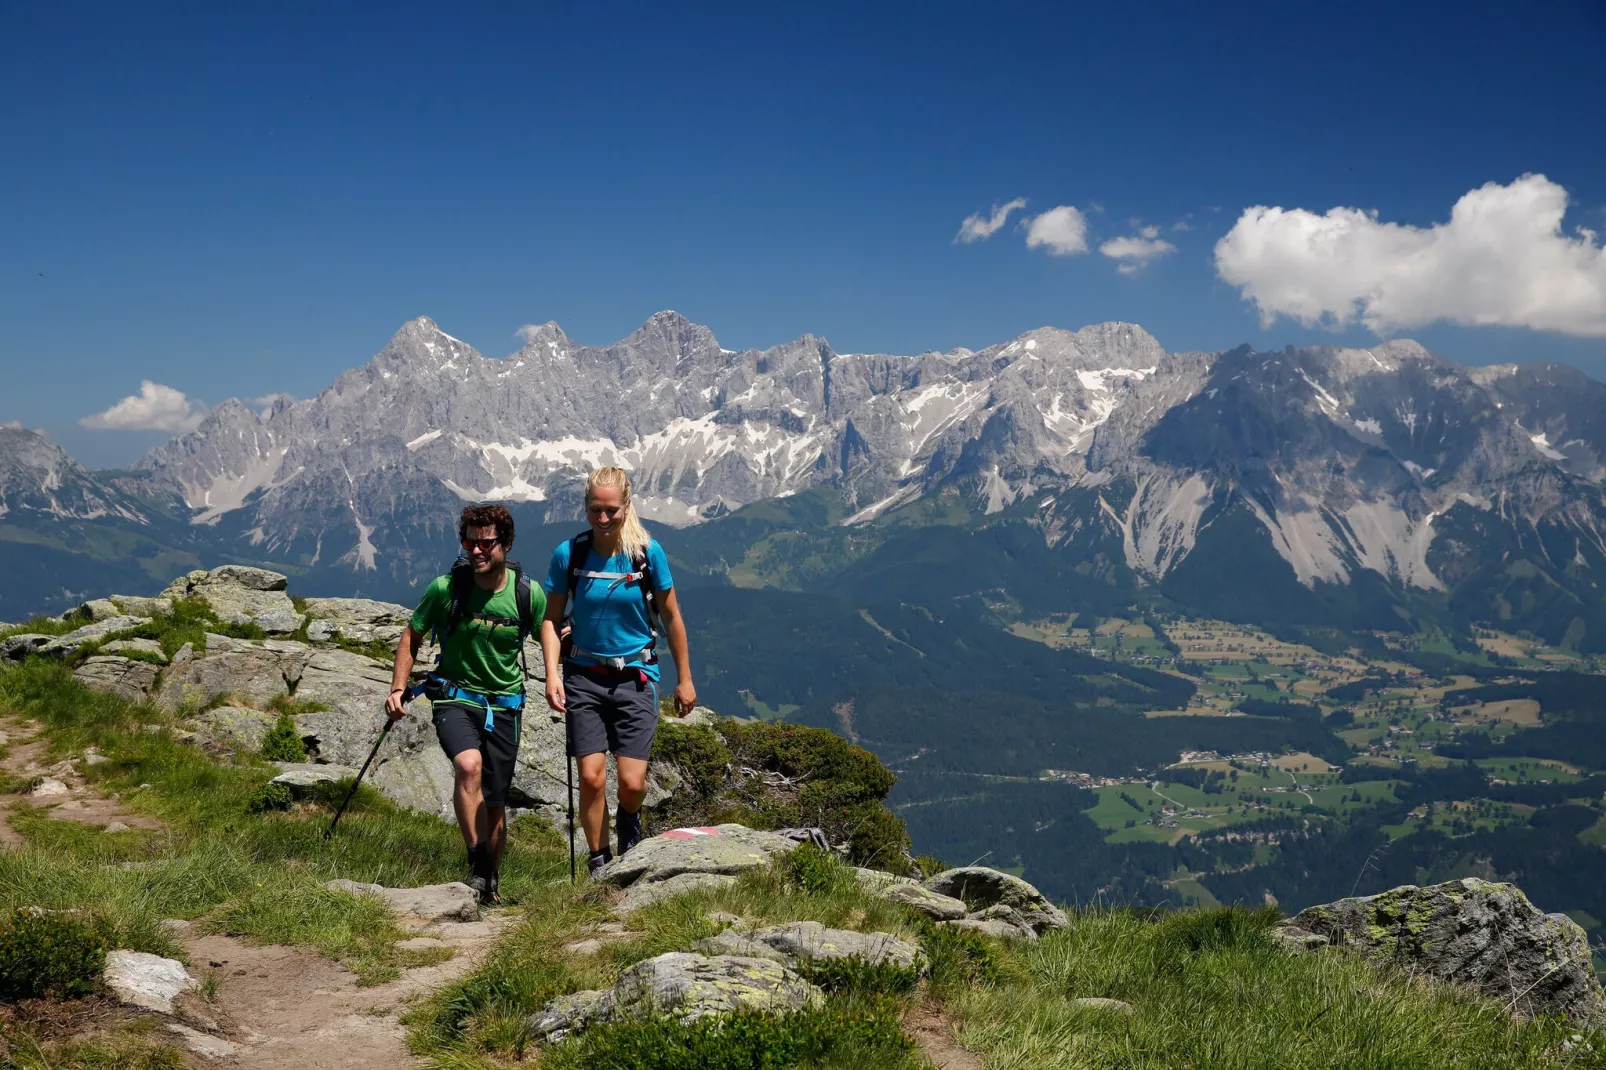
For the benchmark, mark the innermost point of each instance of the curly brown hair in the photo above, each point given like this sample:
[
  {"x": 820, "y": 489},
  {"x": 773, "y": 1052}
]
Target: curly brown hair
[{"x": 487, "y": 516}]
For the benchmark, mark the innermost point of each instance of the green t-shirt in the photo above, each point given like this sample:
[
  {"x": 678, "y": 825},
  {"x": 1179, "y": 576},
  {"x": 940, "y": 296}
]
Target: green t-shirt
[{"x": 478, "y": 655}]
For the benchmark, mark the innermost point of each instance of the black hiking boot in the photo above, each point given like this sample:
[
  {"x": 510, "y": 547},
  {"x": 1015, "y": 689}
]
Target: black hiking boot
[
  {"x": 476, "y": 879},
  {"x": 597, "y": 860},
  {"x": 493, "y": 881},
  {"x": 628, "y": 825}
]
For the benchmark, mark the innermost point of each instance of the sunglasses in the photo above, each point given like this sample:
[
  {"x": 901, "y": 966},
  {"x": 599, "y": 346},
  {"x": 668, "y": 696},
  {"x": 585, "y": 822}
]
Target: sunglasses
[{"x": 484, "y": 546}]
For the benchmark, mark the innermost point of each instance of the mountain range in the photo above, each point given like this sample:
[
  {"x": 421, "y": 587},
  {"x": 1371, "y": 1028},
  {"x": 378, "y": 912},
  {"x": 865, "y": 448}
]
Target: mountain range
[{"x": 1323, "y": 483}]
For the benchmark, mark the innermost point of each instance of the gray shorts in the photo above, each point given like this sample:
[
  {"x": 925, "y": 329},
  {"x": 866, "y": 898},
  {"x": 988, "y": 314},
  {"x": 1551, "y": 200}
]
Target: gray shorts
[{"x": 609, "y": 711}]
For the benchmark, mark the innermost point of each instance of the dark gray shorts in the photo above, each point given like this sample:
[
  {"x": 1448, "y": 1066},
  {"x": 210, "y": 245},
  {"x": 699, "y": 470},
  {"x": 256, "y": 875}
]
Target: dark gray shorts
[
  {"x": 461, "y": 726},
  {"x": 616, "y": 713}
]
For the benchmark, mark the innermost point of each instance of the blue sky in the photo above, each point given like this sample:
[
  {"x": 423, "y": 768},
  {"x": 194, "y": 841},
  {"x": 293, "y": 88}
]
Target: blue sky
[{"x": 245, "y": 202}]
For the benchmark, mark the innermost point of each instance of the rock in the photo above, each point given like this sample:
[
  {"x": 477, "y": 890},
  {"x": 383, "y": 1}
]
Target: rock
[
  {"x": 137, "y": 646},
  {"x": 924, "y": 901},
  {"x": 699, "y": 715},
  {"x": 176, "y": 926},
  {"x": 235, "y": 726},
  {"x": 724, "y": 917},
  {"x": 47, "y": 787},
  {"x": 645, "y": 893},
  {"x": 241, "y": 595},
  {"x": 1291, "y": 937},
  {"x": 146, "y": 980},
  {"x": 302, "y": 777},
  {"x": 980, "y": 887},
  {"x": 360, "y": 619},
  {"x": 1002, "y": 930},
  {"x": 584, "y": 947},
  {"x": 875, "y": 880},
  {"x": 63, "y": 646},
  {"x": 430, "y": 903},
  {"x": 731, "y": 942},
  {"x": 255, "y": 673},
  {"x": 138, "y": 606},
  {"x": 684, "y": 986},
  {"x": 17, "y": 647},
  {"x": 115, "y": 826},
  {"x": 723, "y": 849},
  {"x": 1101, "y": 1003},
  {"x": 205, "y": 1045},
  {"x": 810, "y": 940},
  {"x": 123, "y": 677},
  {"x": 98, "y": 609},
  {"x": 1472, "y": 932}
]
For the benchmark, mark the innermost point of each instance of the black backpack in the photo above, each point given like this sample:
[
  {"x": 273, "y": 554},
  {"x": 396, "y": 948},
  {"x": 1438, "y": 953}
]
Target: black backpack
[{"x": 640, "y": 573}]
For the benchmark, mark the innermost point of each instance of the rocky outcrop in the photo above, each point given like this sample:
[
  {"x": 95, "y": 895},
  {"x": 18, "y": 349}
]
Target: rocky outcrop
[
  {"x": 681, "y": 985},
  {"x": 453, "y": 902},
  {"x": 361, "y": 620},
  {"x": 250, "y": 671},
  {"x": 125, "y": 677},
  {"x": 241, "y": 595},
  {"x": 809, "y": 941},
  {"x": 304, "y": 778},
  {"x": 722, "y": 851},
  {"x": 921, "y": 900},
  {"x": 1471, "y": 932},
  {"x": 991, "y": 896}
]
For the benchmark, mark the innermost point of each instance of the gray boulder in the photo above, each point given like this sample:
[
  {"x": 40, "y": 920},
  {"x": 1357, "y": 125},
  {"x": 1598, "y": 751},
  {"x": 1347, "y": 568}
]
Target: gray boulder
[
  {"x": 124, "y": 677},
  {"x": 979, "y": 887},
  {"x": 811, "y": 941},
  {"x": 723, "y": 849},
  {"x": 145, "y": 980},
  {"x": 139, "y": 606},
  {"x": 252, "y": 672},
  {"x": 430, "y": 903},
  {"x": 17, "y": 647},
  {"x": 1472, "y": 932},
  {"x": 731, "y": 942},
  {"x": 646, "y": 893},
  {"x": 239, "y": 727},
  {"x": 302, "y": 777},
  {"x": 149, "y": 647},
  {"x": 1001, "y": 930},
  {"x": 362, "y": 620},
  {"x": 241, "y": 595},
  {"x": 98, "y": 609},
  {"x": 924, "y": 901},
  {"x": 65, "y": 646},
  {"x": 684, "y": 986}
]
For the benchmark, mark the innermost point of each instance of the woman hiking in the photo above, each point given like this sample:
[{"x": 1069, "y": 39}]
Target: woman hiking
[{"x": 607, "y": 584}]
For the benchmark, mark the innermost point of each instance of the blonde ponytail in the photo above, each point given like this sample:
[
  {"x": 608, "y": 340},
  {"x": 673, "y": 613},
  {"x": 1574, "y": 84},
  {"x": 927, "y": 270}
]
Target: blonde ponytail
[{"x": 633, "y": 538}]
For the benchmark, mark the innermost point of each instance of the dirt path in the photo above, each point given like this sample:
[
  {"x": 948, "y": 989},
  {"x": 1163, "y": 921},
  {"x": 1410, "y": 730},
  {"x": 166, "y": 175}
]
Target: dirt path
[
  {"x": 932, "y": 1030},
  {"x": 285, "y": 1007},
  {"x": 25, "y": 758}
]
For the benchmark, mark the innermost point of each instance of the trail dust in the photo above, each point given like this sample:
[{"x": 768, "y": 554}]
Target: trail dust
[{"x": 274, "y": 1007}]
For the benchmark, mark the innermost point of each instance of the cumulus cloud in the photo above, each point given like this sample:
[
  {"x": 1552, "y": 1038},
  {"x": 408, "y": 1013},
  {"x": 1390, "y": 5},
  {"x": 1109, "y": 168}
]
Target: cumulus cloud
[
  {"x": 1501, "y": 259},
  {"x": 1062, "y": 231},
  {"x": 1135, "y": 252},
  {"x": 980, "y": 227},
  {"x": 154, "y": 408}
]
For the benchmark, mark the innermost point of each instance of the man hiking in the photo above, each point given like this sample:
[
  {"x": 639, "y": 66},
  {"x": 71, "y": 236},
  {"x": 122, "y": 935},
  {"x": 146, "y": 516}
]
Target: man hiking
[
  {"x": 480, "y": 613},
  {"x": 610, "y": 582}
]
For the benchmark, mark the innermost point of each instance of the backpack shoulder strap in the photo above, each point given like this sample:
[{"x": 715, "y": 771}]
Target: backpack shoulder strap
[
  {"x": 523, "y": 596},
  {"x": 649, "y": 588},
  {"x": 579, "y": 548},
  {"x": 461, "y": 578}
]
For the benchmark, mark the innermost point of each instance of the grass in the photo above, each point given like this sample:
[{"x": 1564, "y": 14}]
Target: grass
[
  {"x": 43, "y": 626},
  {"x": 256, "y": 876},
  {"x": 1210, "y": 991}
]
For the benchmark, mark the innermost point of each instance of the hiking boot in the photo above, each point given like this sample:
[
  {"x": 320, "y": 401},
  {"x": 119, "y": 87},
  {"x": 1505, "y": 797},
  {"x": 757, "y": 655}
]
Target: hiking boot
[
  {"x": 476, "y": 880},
  {"x": 597, "y": 860},
  {"x": 628, "y": 826},
  {"x": 493, "y": 888}
]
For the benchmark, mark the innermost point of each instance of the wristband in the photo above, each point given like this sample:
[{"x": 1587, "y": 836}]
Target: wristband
[{"x": 396, "y": 689}]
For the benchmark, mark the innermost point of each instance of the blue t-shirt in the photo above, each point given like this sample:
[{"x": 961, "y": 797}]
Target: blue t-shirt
[{"x": 609, "y": 616}]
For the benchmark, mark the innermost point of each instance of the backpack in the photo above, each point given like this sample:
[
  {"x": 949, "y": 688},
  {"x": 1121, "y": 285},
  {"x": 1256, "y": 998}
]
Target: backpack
[
  {"x": 640, "y": 573},
  {"x": 462, "y": 583}
]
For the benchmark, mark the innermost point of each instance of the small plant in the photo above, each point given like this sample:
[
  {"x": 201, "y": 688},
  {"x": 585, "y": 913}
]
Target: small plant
[
  {"x": 269, "y": 796},
  {"x": 812, "y": 870},
  {"x": 283, "y": 742},
  {"x": 292, "y": 705},
  {"x": 44, "y": 954},
  {"x": 856, "y": 976}
]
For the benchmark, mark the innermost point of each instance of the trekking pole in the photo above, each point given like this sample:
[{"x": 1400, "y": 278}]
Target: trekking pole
[
  {"x": 568, "y": 776},
  {"x": 377, "y": 743}
]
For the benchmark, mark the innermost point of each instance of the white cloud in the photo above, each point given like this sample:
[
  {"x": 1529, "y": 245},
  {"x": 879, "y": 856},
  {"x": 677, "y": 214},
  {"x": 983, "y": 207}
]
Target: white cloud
[
  {"x": 154, "y": 408},
  {"x": 980, "y": 227},
  {"x": 1062, "y": 231},
  {"x": 1502, "y": 259},
  {"x": 1135, "y": 253},
  {"x": 527, "y": 333},
  {"x": 13, "y": 425}
]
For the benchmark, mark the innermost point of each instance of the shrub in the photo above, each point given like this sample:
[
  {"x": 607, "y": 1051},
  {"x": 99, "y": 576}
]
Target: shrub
[
  {"x": 44, "y": 954},
  {"x": 269, "y": 796},
  {"x": 856, "y": 976},
  {"x": 283, "y": 742},
  {"x": 694, "y": 750},
  {"x": 960, "y": 958},
  {"x": 838, "y": 1035},
  {"x": 812, "y": 870}
]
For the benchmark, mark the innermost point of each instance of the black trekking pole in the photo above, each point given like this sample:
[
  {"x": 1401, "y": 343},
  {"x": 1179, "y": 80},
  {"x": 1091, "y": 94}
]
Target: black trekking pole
[
  {"x": 568, "y": 776},
  {"x": 377, "y": 744}
]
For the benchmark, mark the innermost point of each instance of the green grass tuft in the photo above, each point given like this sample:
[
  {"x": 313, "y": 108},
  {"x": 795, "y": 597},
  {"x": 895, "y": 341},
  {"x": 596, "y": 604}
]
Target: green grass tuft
[
  {"x": 44, "y": 954},
  {"x": 283, "y": 742}
]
